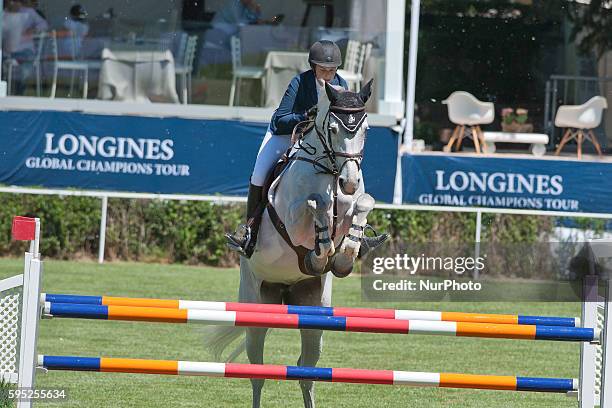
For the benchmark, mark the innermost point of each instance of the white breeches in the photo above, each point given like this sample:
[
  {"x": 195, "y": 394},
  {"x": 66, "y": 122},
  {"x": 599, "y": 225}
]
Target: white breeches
[{"x": 271, "y": 150}]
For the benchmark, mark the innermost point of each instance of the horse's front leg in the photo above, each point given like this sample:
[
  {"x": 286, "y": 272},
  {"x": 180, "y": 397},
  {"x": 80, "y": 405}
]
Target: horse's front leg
[
  {"x": 343, "y": 260},
  {"x": 316, "y": 260}
]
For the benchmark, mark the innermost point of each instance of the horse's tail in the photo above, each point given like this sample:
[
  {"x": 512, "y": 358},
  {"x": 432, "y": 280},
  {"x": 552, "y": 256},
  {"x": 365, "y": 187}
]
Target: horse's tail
[{"x": 218, "y": 338}]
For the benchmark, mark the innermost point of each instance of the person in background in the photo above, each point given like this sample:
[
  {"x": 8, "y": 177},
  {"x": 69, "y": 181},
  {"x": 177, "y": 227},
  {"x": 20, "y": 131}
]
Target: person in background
[
  {"x": 34, "y": 6},
  {"x": 19, "y": 24},
  {"x": 235, "y": 13},
  {"x": 241, "y": 12},
  {"x": 76, "y": 28}
]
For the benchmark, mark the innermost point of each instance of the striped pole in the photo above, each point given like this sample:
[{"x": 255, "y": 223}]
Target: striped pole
[
  {"x": 275, "y": 372},
  {"x": 315, "y": 310},
  {"x": 293, "y": 321}
]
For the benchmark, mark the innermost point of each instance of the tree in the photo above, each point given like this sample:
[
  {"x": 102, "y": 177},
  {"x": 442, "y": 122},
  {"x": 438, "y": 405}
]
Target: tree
[{"x": 592, "y": 27}]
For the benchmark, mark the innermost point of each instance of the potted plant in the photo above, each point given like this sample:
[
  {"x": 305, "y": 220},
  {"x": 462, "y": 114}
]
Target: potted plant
[{"x": 515, "y": 121}]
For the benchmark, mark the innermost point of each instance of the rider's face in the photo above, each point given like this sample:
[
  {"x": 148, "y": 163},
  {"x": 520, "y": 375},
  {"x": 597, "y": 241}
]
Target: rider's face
[{"x": 326, "y": 74}]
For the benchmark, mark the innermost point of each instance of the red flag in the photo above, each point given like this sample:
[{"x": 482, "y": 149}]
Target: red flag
[{"x": 24, "y": 228}]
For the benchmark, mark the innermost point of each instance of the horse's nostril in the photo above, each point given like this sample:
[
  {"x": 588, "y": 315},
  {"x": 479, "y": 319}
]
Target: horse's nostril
[{"x": 347, "y": 188}]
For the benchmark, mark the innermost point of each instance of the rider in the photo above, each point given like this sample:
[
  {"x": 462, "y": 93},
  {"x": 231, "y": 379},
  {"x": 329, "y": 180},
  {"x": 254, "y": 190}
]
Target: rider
[{"x": 297, "y": 105}]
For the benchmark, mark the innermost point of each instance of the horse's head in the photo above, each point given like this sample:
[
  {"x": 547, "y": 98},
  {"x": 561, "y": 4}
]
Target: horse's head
[{"x": 341, "y": 125}]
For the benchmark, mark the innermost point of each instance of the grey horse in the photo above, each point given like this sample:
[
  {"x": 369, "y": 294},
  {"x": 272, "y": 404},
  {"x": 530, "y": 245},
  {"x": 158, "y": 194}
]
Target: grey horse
[{"x": 319, "y": 200}]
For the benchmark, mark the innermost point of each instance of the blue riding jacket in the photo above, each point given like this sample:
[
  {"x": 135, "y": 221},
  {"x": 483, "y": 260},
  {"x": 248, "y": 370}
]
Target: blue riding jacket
[{"x": 301, "y": 95}]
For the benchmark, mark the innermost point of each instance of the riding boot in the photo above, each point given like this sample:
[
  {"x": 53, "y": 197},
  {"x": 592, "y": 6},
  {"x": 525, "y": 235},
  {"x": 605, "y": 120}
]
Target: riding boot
[
  {"x": 253, "y": 200},
  {"x": 239, "y": 241}
]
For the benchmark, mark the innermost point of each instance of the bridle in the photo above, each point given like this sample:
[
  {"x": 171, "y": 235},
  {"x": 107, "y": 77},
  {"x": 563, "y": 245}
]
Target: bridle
[{"x": 330, "y": 153}]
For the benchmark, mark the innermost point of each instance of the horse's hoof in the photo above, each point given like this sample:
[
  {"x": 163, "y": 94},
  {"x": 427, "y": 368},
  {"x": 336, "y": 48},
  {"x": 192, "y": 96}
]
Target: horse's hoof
[
  {"x": 370, "y": 243},
  {"x": 342, "y": 272},
  {"x": 310, "y": 269}
]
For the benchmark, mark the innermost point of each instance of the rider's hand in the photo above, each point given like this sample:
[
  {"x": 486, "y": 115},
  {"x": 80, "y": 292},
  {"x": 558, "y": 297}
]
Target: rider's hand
[{"x": 311, "y": 113}]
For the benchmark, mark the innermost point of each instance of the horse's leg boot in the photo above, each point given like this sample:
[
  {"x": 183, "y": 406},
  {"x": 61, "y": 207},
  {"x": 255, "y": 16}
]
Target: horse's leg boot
[
  {"x": 315, "y": 261},
  {"x": 343, "y": 260}
]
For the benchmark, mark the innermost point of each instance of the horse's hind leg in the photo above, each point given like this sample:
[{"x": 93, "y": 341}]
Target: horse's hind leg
[
  {"x": 343, "y": 260},
  {"x": 255, "y": 338},
  {"x": 316, "y": 260},
  {"x": 310, "y": 292},
  {"x": 312, "y": 343}
]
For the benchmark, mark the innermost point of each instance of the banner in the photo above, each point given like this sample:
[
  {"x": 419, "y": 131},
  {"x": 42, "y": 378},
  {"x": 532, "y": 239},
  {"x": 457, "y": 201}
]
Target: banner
[
  {"x": 152, "y": 155},
  {"x": 545, "y": 185}
]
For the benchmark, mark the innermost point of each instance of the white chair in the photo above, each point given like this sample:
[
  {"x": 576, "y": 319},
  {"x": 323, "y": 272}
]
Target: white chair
[
  {"x": 580, "y": 118},
  {"x": 39, "y": 42},
  {"x": 72, "y": 65},
  {"x": 465, "y": 110},
  {"x": 354, "y": 61},
  {"x": 351, "y": 56},
  {"x": 11, "y": 63},
  {"x": 240, "y": 72},
  {"x": 184, "y": 67}
]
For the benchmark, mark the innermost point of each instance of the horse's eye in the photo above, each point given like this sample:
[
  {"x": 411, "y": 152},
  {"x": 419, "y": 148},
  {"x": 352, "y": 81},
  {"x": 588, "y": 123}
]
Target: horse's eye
[{"x": 334, "y": 128}]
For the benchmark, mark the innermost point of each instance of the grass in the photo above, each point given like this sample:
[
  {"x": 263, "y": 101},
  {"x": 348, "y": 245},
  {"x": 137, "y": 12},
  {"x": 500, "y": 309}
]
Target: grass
[
  {"x": 5, "y": 401},
  {"x": 356, "y": 350}
]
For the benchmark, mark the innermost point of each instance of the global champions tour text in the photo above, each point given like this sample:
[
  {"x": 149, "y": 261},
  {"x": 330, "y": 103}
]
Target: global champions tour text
[
  {"x": 535, "y": 191},
  {"x": 107, "y": 147}
]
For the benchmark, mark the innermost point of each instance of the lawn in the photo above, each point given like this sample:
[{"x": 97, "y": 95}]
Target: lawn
[{"x": 355, "y": 350}]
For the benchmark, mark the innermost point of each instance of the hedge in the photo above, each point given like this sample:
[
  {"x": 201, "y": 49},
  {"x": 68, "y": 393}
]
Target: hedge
[{"x": 192, "y": 232}]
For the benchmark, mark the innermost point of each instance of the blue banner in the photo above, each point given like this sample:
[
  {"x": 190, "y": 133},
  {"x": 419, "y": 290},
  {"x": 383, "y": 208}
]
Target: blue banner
[
  {"x": 545, "y": 185},
  {"x": 152, "y": 155}
]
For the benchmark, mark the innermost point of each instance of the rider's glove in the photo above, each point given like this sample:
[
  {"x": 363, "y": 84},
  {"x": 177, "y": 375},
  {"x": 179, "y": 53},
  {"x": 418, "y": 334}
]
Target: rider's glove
[{"x": 311, "y": 113}]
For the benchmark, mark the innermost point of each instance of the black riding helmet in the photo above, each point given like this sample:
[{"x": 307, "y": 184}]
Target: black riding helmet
[
  {"x": 325, "y": 53},
  {"x": 78, "y": 12}
]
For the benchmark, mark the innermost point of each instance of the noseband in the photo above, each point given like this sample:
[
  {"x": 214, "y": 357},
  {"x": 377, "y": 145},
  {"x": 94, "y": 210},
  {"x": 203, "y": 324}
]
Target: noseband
[{"x": 354, "y": 119}]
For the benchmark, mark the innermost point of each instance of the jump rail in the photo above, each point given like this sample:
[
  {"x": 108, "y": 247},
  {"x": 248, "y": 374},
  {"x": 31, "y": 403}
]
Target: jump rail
[
  {"x": 314, "y": 310},
  {"x": 21, "y": 295},
  {"x": 276, "y": 372},
  {"x": 293, "y": 321}
]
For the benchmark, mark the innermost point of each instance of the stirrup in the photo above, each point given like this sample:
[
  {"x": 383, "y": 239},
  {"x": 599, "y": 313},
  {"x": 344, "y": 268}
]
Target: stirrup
[
  {"x": 239, "y": 241},
  {"x": 368, "y": 244}
]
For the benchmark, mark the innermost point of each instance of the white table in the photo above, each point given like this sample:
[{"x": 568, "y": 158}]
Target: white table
[
  {"x": 137, "y": 74},
  {"x": 280, "y": 67},
  {"x": 538, "y": 141}
]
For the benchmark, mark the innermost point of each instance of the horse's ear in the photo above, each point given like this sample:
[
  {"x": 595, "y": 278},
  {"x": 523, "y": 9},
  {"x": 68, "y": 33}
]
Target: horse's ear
[
  {"x": 332, "y": 93},
  {"x": 366, "y": 91}
]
